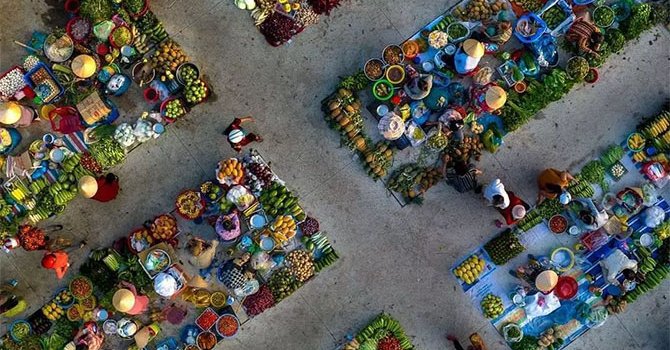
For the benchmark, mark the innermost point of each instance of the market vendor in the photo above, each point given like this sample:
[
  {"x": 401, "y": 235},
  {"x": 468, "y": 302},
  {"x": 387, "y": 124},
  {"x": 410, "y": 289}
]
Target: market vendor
[
  {"x": 552, "y": 183},
  {"x": 585, "y": 35},
  {"x": 237, "y": 136},
  {"x": 11, "y": 304},
  {"x": 57, "y": 261},
  {"x": 496, "y": 195},
  {"x": 468, "y": 56},
  {"x": 108, "y": 188},
  {"x": 419, "y": 87},
  {"x": 488, "y": 98},
  {"x": 90, "y": 337},
  {"x": 515, "y": 211},
  {"x": 462, "y": 176},
  {"x": 586, "y": 215},
  {"x": 128, "y": 301}
]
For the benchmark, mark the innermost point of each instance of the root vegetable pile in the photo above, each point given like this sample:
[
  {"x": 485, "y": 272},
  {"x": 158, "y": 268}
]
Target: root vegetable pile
[
  {"x": 278, "y": 29},
  {"x": 309, "y": 227},
  {"x": 301, "y": 264}
]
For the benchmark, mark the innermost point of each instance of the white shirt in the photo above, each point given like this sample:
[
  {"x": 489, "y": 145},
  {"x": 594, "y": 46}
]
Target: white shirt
[{"x": 496, "y": 188}]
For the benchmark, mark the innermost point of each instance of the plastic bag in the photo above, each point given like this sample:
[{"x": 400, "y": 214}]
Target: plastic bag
[
  {"x": 653, "y": 216},
  {"x": 615, "y": 263},
  {"x": 540, "y": 304}
]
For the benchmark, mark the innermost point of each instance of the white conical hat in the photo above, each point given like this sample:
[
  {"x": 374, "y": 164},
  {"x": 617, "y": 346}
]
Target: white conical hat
[{"x": 88, "y": 186}]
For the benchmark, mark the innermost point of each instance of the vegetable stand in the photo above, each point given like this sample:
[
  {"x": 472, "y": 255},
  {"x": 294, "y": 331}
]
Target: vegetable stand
[
  {"x": 578, "y": 254},
  {"x": 76, "y": 89},
  {"x": 245, "y": 277},
  {"x": 478, "y": 72}
]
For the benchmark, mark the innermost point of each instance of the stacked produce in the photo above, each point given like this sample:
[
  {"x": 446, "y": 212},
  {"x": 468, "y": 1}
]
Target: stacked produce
[
  {"x": 52, "y": 311},
  {"x": 580, "y": 189},
  {"x": 343, "y": 112},
  {"x": 412, "y": 181},
  {"x": 504, "y": 247},
  {"x": 300, "y": 264},
  {"x": 612, "y": 155},
  {"x": 107, "y": 152},
  {"x": 260, "y": 175},
  {"x": 383, "y": 333},
  {"x": 309, "y": 227},
  {"x": 167, "y": 57},
  {"x": 479, "y": 10},
  {"x": 594, "y": 172},
  {"x": 658, "y": 131},
  {"x": 283, "y": 229},
  {"x": 164, "y": 227},
  {"x": 277, "y": 28},
  {"x": 230, "y": 172},
  {"x": 355, "y": 82},
  {"x": 492, "y": 306},
  {"x": 174, "y": 109},
  {"x": 532, "y": 219},
  {"x": 32, "y": 238},
  {"x": 152, "y": 27},
  {"x": 469, "y": 270},
  {"x": 378, "y": 160},
  {"x": 550, "y": 340},
  {"x": 652, "y": 280},
  {"x": 662, "y": 231},
  {"x": 262, "y": 300},
  {"x": 196, "y": 91},
  {"x": 282, "y": 284},
  {"x": 278, "y": 200},
  {"x": 328, "y": 255}
]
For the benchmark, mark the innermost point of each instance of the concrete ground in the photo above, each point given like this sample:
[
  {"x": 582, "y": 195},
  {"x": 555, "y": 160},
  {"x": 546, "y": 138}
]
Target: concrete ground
[{"x": 392, "y": 259}]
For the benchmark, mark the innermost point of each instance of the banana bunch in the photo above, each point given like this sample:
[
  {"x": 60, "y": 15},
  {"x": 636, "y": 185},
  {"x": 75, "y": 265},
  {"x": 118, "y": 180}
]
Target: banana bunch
[
  {"x": 260, "y": 14},
  {"x": 352, "y": 345},
  {"x": 36, "y": 186},
  {"x": 647, "y": 263},
  {"x": 639, "y": 157},
  {"x": 139, "y": 41},
  {"x": 658, "y": 126},
  {"x": 662, "y": 231},
  {"x": 5, "y": 208}
]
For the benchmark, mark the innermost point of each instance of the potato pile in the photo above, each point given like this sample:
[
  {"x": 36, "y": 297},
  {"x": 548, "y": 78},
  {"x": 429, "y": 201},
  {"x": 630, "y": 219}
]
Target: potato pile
[
  {"x": 301, "y": 264},
  {"x": 167, "y": 57},
  {"x": 479, "y": 10}
]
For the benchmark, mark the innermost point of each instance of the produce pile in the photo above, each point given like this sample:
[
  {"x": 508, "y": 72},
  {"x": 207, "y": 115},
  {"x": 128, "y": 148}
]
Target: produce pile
[
  {"x": 504, "y": 247},
  {"x": 280, "y": 20},
  {"x": 383, "y": 333},
  {"x": 492, "y": 306},
  {"x": 470, "y": 269}
]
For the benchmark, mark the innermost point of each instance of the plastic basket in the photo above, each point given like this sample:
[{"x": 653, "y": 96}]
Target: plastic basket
[
  {"x": 542, "y": 28},
  {"x": 28, "y": 80},
  {"x": 4, "y": 75},
  {"x": 562, "y": 28},
  {"x": 65, "y": 120}
]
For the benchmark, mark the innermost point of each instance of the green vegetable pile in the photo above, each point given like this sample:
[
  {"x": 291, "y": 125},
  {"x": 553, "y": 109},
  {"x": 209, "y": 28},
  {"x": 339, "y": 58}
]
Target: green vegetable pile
[
  {"x": 527, "y": 343},
  {"x": 549, "y": 208},
  {"x": 603, "y": 16},
  {"x": 594, "y": 172},
  {"x": 638, "y": 22},
  {"x": 615, "y": 40},
  {"x": 612, "y": 155},
  {"x": 96, "y": 10},
  {"x": 581, "y": 189},
  {"x": 355, "y": 82},
  {"x": 554, "y": 16},
  {"x": 107, "y": 152},
  {"x": 577, "y": 67},
  {"x": 133, "y": 6},
  {"x": 532, "y": 219},
  {"x": 521, "y": 107},
  {"x": 504, "y": 247}
]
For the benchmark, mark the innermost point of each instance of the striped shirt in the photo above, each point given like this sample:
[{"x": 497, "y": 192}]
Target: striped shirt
[{"x": 465, "y": 182}]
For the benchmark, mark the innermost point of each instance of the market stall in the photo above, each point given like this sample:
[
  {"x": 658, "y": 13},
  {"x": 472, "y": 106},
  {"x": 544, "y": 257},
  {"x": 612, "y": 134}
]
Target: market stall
[
  {"x": 84, "y": 96},
  {"x": 577, "y": 271},
  {"x": 280, "y": 20},
  {"x": 228, "y": 251},
  {"x": 456, "y": 87},
  {"x": 382, "y": 333}
]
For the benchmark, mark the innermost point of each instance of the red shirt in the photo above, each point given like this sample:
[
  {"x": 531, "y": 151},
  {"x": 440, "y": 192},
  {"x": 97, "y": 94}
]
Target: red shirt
[
  {"x": 61, "y": 264},
  {"x": 106, "y": 191},
  {"x": 507, "y": 212}
]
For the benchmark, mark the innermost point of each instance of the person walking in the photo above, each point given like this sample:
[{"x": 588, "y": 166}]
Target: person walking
[
  {"x": 103, "y": 189},
  {"x": 552, "y": 183},
  {"x": 463, "y": 176},
  {"x": 11, "y": 304},
  {"x": 57, "y": 261},
  {"x": 237, "y": 136}
]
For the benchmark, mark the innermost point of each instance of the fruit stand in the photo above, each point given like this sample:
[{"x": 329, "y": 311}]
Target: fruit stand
[
  {"x": 570, "y": 278},
  {"x": 383, "y": 333},
  {"x": 261, "y": 245},
  {"x": 280, "y": 20},
  {"x": 459, "y": 85},
  {"x": 60, "y": 110}
]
